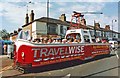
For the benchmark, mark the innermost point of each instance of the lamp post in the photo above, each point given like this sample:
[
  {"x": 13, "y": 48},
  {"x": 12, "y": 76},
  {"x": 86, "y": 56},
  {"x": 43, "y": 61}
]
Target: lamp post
[{"x": 114, "y": 20}]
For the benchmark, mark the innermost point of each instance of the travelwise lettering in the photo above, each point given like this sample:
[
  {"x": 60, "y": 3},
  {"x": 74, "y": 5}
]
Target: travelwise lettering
[
  {"x": 54, "y": 52},
  {"x": 75, "y": 49}
]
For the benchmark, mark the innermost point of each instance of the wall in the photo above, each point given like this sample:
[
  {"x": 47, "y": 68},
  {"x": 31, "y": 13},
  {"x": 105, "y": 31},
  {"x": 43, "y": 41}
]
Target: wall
[
  {"x": 38, "y": 29},
  {"x": 13, "y": 38}
]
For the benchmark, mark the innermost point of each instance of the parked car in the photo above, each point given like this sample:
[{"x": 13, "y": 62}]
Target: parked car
[
  {"x": 114, "y": 44},
  {"x": 118, "y": 42}
]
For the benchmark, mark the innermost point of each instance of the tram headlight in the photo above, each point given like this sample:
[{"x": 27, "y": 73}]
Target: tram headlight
[{"x": 23, "y": 55}]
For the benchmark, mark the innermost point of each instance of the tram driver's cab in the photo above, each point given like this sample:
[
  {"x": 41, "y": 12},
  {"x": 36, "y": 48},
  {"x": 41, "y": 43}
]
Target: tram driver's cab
[{"x": 81, "y": 34}]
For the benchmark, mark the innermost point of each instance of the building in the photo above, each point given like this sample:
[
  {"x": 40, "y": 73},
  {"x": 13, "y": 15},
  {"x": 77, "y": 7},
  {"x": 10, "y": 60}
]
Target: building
[
  {"x": 103, "y": 33},
  {"x": 46, "y": 27},
  {"x": 56, "y": 28}
]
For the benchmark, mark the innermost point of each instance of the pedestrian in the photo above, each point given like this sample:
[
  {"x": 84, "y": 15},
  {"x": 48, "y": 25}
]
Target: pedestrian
[{"x": 5, "y": 48}]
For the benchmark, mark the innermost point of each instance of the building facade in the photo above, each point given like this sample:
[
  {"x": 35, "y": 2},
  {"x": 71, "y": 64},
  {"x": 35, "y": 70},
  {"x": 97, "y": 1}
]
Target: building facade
[
  {"x": 56, "y": 28},
  {"x": 46, "y": 27}
]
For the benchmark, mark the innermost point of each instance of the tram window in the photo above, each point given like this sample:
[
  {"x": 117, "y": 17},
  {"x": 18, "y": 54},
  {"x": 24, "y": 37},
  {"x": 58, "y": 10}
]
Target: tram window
[
  {"x": 20, "y": 35},
  {"x": 78, "y": 36},
  {"x": 74, "y": 36},
  {"x": 93, "y": 40},
  {"x": 85, "y": 32}
]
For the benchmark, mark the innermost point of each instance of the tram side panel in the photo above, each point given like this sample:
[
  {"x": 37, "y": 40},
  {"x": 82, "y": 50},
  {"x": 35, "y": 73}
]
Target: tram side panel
[{"x": 38, "y": 56}]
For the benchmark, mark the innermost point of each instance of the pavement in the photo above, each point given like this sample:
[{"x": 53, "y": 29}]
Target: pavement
[
  {"x": 5, "y": 64},
  {"x": 2, "y": 56}
]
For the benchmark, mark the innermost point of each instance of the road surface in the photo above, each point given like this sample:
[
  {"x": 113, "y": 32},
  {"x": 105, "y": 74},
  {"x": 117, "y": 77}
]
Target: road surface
[{"x": 105, "y": 66}]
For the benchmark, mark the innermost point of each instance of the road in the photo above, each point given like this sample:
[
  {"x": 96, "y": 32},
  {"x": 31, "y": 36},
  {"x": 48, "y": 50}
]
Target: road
[{"x": 105, "y": 66}]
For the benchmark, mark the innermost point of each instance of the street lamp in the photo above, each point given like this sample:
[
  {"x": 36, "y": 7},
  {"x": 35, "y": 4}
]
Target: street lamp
[{"x": 114, "y": 20}]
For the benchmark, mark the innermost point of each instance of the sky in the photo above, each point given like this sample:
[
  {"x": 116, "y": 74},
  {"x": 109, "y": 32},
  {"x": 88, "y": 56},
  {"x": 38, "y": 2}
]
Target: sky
[{"x": 12, "y": 12}]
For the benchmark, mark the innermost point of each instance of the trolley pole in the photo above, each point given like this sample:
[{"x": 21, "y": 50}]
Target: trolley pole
[{"x": 47, "y": 16}]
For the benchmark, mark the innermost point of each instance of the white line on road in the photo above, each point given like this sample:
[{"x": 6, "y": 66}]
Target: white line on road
[
  {"x": 72, "y": 67},
  {"x": 67, "y": 76},
  {"x": 49, "y": 73}
]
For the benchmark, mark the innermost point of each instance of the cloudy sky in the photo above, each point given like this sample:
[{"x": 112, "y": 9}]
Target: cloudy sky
[{"x": 12, "y": 12}]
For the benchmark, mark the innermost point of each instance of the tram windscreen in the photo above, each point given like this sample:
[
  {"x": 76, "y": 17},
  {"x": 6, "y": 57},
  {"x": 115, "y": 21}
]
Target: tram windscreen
[
  {"x": 74, "y": 36},
  {"x": 24, "y": 35}
]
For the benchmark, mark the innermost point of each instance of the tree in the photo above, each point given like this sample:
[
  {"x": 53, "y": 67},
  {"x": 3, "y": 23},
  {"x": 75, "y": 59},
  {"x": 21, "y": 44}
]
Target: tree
[{"x": 4, "y": 34}]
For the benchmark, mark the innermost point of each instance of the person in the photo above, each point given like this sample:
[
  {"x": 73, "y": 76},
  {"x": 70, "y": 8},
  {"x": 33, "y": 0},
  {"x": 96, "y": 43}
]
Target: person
[
  {"x": 57, "y": 41},
  {"x": 34, "y": 40},
  {"x": 93, "y": 40},
  {"x": 98, "y": 40},
  {"x": 88, "y": 40},
  {"x": 78, "y": 40},
  {"x": 70, "y": 40},
  {"x": 75, "y": 41},
  {"x": 45, "y": 41},
  {"x": 64, "y": 41},
  {"x": 41, "y": 41},
  {"x": 37, "y": 40},
  {"x": 54, "y": 40},
  {"x": 5, "y": 48},
  {"x": 49, "y": 41},
  {"x": 2, "y": 47},
  {"x": 104, "y": 41}
]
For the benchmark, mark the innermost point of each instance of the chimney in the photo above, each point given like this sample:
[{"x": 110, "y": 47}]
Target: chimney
[
  {"x": 83, "y": 22},
  {"x": 26, "y": 19},
  {"x": 31, "y": 16},
  {"x": 62, "y": 17},
  {"x": 19, "y": 29},
  {"x": 97, "y": 26},
  {"x": 107, "y": 27},
  {"x": 15, "y": 32}
]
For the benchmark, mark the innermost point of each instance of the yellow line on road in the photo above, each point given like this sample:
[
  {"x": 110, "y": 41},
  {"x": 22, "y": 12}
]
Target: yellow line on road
[{"x": 5, "y": 68}]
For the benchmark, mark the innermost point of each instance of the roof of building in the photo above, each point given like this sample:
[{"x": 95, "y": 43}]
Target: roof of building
[
  {"x": 66, "y": 23},
  {"x": 101, "y": 29},
  {"x": 49, "y": 20}
]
